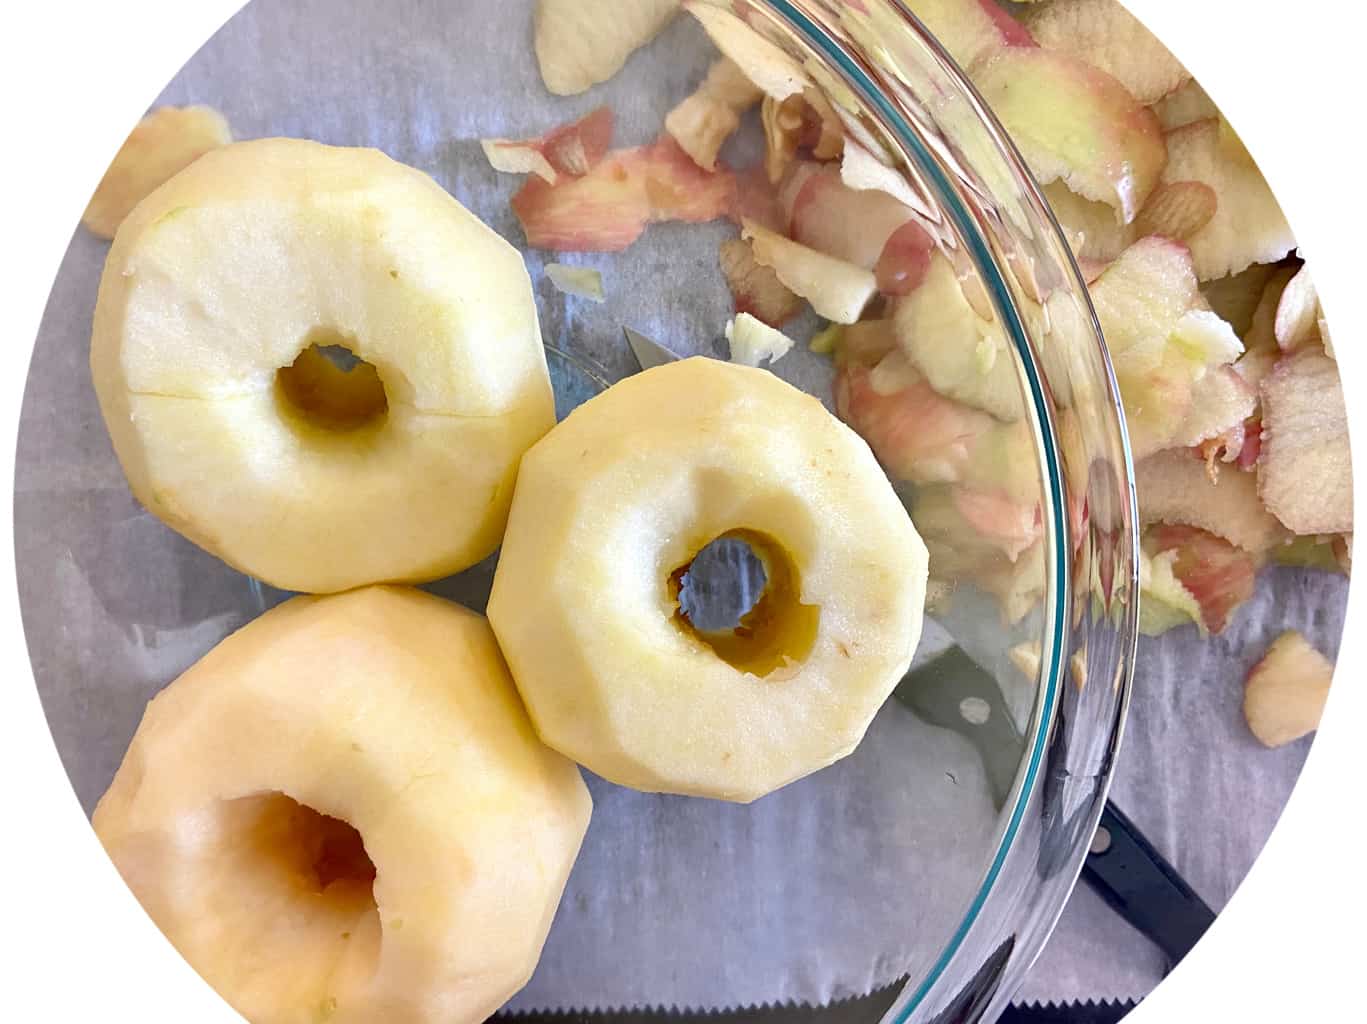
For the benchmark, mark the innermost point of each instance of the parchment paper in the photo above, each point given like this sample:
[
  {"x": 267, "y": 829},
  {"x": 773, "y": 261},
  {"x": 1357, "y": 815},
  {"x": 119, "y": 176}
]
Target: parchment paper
[{"x": 837, "y": 884}]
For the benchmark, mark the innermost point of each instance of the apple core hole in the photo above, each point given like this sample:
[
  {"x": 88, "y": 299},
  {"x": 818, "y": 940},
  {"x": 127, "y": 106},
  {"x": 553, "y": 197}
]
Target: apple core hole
[
  {"x": 287, "y": 861},
  {"x": 721, "y": 585},
  {"x": 315, "y": 851},
  {"x": 328, "y": 387},
  {"x": 739, "y": 595}
]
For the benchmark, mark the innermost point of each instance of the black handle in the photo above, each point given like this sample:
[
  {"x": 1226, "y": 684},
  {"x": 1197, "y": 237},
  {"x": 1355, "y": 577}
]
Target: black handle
[{"x": 1144, "y": 888}]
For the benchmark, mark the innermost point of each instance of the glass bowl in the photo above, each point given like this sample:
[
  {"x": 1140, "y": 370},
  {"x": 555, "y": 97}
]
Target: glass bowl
[{"x": 920, "y": 876}]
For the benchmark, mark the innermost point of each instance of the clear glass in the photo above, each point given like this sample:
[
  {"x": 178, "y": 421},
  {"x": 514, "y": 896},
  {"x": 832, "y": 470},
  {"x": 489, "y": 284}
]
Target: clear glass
[
  {"x": 974, "y": 848},
  {"x": 895, "y": 88}
]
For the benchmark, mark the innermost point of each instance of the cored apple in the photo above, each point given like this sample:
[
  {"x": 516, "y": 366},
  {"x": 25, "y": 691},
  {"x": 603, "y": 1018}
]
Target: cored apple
[
  {"x": 609, "y": 514},
  {"x": 342, "y": 813},
  {"x": 224, "y": 299}
]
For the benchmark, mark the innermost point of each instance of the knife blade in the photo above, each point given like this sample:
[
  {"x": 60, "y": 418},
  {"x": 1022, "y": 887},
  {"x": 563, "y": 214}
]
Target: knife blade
[{"x": 947, "y": 688}]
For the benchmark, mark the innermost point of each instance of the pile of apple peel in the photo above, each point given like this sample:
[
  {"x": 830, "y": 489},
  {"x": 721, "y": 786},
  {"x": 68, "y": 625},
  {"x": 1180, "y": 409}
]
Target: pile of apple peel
[{"x": 1224, "y": 361}]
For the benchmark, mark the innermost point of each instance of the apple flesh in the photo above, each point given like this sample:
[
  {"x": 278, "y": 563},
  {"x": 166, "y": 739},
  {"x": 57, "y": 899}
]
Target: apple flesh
[
  {"x": 753, "y": 342},
  {"x": 234, "y": 430},
  {"x": 610, "y": 511},
  {"x": 343, "y": 811}
]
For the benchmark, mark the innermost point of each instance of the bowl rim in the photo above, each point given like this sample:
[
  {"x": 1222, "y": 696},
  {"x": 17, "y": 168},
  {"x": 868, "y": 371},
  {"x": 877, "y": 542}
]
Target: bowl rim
[{"x": 1026, "y": 944}]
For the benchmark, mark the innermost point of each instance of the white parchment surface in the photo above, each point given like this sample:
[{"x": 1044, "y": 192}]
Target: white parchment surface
[{"x": 837, "y": 884}]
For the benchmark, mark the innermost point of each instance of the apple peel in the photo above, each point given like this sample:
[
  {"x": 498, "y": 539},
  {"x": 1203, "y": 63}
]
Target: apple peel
[
  {"x": 756, "y": 289},
  {"x": 1221, "y": 401},
  {"x": 711, "y": 115},
  {"x": 580, "y": 43},
  {"x": 572, "y": 149},
  {"x": 837, "y": 290},
  {"x": 964, "y": 356},
  {"x": 973, "y": 31},
  {"x": 1173, "y": 488},
  {"x": 753, "y": 342},
  {"x": 775, "y": 73},
  {"x": 1011, "y": 526},
  {"x": 1185, "y": 105},
  {"x": 1235, "y": 298},
  {"x": 1093, "y": 229},
  {"x": 1218, "y": 575},
  {"x": 1164, "y": 603},
  {"x": 1161, "y": 340},
  {"x": 1248, "y": 226},
  {"x": 861, "y": 169},
  {"x": 1026, "y": 657},
  {"x": 866, "y": 227},
  {"x": 609, "y": 208},
  {"x": 161, "y": 145},
  {"x": 1103, "y": 33},
  {"x": 917, "y": 435},
  {"x": 1305, "y": 471},
  {"x": 1298, "y": 317},
  {"x": 1076, "y": 123},
  {"x": 1286, "y": 691}
]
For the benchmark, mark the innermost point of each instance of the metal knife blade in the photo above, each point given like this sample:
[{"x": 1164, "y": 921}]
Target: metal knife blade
[{"x": 648, "y": 353}]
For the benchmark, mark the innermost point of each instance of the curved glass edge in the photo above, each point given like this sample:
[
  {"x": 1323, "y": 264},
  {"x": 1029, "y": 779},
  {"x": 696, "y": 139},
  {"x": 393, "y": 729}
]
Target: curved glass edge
[{"x": 1091, "y": 611}]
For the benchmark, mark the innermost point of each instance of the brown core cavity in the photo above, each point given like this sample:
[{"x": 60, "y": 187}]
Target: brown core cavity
[
  {"x": 779, "y": 631},
  {"x": 329, "y": 388}
]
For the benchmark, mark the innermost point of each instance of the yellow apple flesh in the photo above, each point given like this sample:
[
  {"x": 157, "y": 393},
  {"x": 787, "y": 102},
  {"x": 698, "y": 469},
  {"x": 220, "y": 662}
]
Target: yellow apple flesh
[
  {"x": 612, "y": 507},
  {"x": 342, "y": 813},
  {"x": 218, "y": 295}
]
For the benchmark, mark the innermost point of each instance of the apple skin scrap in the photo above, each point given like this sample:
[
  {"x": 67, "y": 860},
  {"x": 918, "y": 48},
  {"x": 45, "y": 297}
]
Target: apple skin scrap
[
  {"x": 1285, "y": 693},
  {"x": 164, "y": 143},
  {"x": 580, "y": 43}
]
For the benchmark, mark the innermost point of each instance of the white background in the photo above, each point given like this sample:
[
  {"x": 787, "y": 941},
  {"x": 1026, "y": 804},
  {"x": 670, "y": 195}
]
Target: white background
[{"x": 74, "y": 945}]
